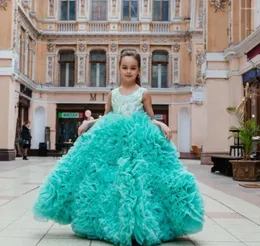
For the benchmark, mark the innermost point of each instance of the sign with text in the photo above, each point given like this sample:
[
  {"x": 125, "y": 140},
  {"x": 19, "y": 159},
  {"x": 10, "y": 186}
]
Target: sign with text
[{"x": 70, "y": 115}]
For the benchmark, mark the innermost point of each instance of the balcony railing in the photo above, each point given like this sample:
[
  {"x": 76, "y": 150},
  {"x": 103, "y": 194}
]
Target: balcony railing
[
  {"x": 98, "y": 27},
  {"x": 66, "y": 27},
  {"x": 161, "y": 27},
  {"x": 123, "y": 27},
  {"x": 130, "y": 27}
]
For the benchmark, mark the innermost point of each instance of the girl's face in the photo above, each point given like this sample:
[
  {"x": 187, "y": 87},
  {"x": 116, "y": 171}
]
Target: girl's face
[{"x": 129, "y": 69}]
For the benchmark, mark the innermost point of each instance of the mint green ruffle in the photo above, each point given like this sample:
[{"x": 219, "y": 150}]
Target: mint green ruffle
[{"x": 122, "y": 181}]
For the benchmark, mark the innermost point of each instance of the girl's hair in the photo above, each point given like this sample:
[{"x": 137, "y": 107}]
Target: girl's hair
[
  {"x": 26, "y": 122},
  {"x": 137, "y": 57}
]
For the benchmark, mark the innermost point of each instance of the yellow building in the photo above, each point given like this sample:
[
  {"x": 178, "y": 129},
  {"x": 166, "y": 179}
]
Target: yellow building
[{"x": 60, "y": 57}]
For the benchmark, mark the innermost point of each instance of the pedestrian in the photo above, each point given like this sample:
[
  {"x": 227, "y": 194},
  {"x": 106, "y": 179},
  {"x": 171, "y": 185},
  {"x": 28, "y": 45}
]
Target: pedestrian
[
  {"x": 87, "y": 117},
  {"x": 123, "y": 181},
  {"x": 26, "y": 138}
]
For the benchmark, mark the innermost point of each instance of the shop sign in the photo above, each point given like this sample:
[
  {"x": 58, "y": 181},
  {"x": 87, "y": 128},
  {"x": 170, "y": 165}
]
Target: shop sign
[
  {"x": 160, "y": 116},
  {"x": 70, "y": 115}
]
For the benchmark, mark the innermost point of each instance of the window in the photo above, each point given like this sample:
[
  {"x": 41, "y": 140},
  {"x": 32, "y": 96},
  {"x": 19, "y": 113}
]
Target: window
[
  {"x": 161, "y": 10},
  {"x": 99, "y": 10},
  {"x": 22, "y": 51},
  {"x": 160, "y": 69},
  {"x": 68, "y": 10},
  {"x": 67, "y": 68},
  {"x": 130, "y": 8},
  {"x": 30, "y": 57},
  {"x": 98, "y": 68}
]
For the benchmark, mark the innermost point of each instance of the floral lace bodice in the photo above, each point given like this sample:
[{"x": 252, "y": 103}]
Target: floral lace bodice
[{"x": 127, "y": 104}]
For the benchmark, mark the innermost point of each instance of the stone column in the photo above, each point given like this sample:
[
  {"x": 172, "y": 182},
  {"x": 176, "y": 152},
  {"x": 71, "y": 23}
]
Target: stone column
[
  {"x": 200, "y": 58},
  {"x": 112, "y": 64},
  {"x": 175, "y": 5},
  {"x": 82, "y": 9},
  {"x": 145, "y": 62},
  {"x": 81, "y": 64},
  {"x": 8, "y": 86},
  {"x": 175, "y": 56},
  {"x": 82, "y": 15},
  {"x": 33, "y": 59},
  {"x": 50, "y": 63},
  {"x": 145, "y": 14},
  {"x": 87, "y": 74},
  {"x": 51, "y": 8},
  {"x": 114, "y": 10},
  {"x": 26, "y": 50},
  {"x": 50, "y": 58}
]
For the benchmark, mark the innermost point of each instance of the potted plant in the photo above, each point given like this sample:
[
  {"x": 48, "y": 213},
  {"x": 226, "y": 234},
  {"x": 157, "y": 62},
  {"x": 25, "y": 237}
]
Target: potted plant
[{"x": 246, "y": 169}]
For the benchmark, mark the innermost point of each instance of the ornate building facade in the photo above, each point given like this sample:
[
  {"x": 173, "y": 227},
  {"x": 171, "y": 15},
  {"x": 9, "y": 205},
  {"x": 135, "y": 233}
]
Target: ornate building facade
[{"x": 60, "y": 57}]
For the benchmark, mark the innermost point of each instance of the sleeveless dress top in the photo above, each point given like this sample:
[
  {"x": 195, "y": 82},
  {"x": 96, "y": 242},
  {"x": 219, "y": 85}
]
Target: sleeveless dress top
[{"x": 127, "y": 104}]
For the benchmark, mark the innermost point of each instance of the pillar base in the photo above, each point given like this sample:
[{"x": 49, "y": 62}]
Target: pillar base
[{"x": 7, "y": 154}]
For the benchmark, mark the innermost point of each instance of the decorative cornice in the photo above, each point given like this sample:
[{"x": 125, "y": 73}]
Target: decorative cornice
[
  {"x": 27, "y": 21},
  {"x": 4, "y": 3},
  {"x": 243, "y": 47},
  {"x": 49, "y": 34},
  {"x": 175, "y": 89}
]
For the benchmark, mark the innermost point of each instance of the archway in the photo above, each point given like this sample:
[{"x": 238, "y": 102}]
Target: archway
[
  {"x": 38, "y": 134},
  {"x": 184, "y": 128}
]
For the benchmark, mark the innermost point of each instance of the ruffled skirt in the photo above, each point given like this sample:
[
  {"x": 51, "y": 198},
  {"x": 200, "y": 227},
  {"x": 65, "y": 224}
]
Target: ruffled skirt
[{"x": 122, "y": 181}]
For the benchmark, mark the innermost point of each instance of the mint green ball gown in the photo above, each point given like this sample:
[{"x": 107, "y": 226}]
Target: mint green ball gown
[{"x": 122, "y": 181}]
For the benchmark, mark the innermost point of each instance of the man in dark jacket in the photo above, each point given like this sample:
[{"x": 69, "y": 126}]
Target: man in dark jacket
[{"x": 26, "y": 136}]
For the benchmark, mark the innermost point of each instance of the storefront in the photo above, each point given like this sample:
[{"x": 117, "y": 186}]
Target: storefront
[
  {"x": 161, "y": 113},
  {"x": 70, "y": 117}
]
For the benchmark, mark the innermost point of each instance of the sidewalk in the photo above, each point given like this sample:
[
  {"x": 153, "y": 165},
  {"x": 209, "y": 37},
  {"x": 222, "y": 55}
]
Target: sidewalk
[{"x": 232, "y": 212}]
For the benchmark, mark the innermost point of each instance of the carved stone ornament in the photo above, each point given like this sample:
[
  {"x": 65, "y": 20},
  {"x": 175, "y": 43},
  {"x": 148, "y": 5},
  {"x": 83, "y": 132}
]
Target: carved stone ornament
[
  {"x": 113, "y": 47},
  {"x": 26, "y": 3},
  {"x": 176, "y": 48},
  {"x": 189, "y": 47},
  {"x": 4, "y": 3},
  {"x": 82, "y": 47},
  {"x": 51, "y": 9},
  {"x": 177, "y": 8},
  {"x": 200, "y": 58},
  {"x": 218, "y": 4},
  {"x": 145, "y": 47},
  {"x": 145, "y": 6},
  {"x": 50, "y": 47}
]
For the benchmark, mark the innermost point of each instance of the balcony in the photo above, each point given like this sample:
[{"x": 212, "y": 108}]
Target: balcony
[
  {"x": 106, "y": 27},
  {"x": 129, "y": 27},
  {"x": 67, "y": 26},
  {"x": 98, "y": 27},
  {"x": 161, "y": 27}
]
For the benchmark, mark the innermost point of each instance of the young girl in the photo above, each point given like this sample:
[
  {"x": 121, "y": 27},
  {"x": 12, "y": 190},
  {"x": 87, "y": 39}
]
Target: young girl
[{"x": 122, "y": 181}]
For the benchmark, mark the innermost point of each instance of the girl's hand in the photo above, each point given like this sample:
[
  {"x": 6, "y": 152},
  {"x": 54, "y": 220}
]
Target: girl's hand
[
  {"x": 166, "y": 131},
  {"x": 84, "y": 126}
]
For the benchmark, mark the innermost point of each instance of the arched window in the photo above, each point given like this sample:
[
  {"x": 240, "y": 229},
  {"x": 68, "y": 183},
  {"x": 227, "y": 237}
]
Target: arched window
[
  {"x": 160, "y": 69},
  {"x": 97, "y": 68},
  {"x": 99, "y": 10},
  {"x": 161, "y": 10},
  {"x": 133, "y": 50},
  {"x": 67, "y": 68},
  {"x": 68, "y": 10}
]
